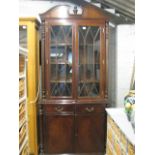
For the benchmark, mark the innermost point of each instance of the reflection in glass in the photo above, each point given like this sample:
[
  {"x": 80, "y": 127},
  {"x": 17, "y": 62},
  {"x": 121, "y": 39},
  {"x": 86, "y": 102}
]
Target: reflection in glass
[
  {"x": 89, "y": 67},
  {"x": 88, "y": 89},
  {"x": 61, "y": 89},
  {"x": 23, "y": 36},
  {"x": 61, "y": 60}
]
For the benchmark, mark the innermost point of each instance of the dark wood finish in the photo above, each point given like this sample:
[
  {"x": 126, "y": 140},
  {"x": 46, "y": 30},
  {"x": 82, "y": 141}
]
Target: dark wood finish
[
  {"x": 40, "y": 127},
  {"x": 106, "y": 56},
  {"x": 75, "y": 128},
  {"x": 43, "y": 59},
  {"x": 90, "y": 128},
  {"x": 58, "y": 108},
  {"x": 89, "y": 12},
  {"x": 90, "y": 133},
  {"x": 72, "y": 124},
  {"x": 58, "y": 134},
  {"x": 89, "y": 108},
  {"x": 91, "y": 16}
]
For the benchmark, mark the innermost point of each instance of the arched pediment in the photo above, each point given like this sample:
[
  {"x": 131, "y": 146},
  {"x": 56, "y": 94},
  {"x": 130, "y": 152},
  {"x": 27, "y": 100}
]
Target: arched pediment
[{"x": 71, "y": 11}]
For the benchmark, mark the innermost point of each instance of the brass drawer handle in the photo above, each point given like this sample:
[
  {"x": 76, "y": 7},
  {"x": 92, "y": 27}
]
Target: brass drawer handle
[
  {"x": 59, "y": 109},
  {"x": 91, "y": 109}
]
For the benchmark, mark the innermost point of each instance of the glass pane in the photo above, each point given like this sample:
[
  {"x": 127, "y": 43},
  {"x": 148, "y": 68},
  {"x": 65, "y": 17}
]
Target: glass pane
[
  {"x": 69, "y": 73},
  {"x": 69, "y": 54},
  {"x": 54, "y": 72},
  {"x": 61, "y": 72},
  {"x": 81, "y": 73},
  {"x": 23, "y": 36},
  {"x": 88, "y": 89},
  {"x": 61, "y": 89},
  {"x": 61, "y": 61},
  {"x": 89, "y": 67},
  {"x": 53, "y": 54},
  {"x": 61, "y": 34}
]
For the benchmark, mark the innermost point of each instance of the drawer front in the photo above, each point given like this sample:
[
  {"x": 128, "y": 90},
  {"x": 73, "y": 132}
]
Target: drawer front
[
  {"x": 90, "y": 108},
  {"x": 58, "y": 108}
]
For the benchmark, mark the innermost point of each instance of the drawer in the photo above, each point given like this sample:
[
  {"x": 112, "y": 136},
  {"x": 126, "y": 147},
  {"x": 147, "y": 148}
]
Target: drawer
[
  {"x": 58, "y": 108},
  {"x": 90, "y": 108}
]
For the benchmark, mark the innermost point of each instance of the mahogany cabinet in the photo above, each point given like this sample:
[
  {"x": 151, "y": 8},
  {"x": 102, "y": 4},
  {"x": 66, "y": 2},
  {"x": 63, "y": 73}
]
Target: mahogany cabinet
[{"x": 74, "y": 80}]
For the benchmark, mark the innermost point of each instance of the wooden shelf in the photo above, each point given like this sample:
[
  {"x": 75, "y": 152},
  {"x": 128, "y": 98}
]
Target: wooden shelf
[
  {"x": 60, "y": 44},
  {"x": 61, "y": 81},
  {"x": 21, "y": 76},
  {"x": 89, "y": 81},
  {"x": 22, "y": 122},
  {"x": 23, "y": 51},
  {"x": 70, "y": 81},
  {"x": 89, "y": 44},
  {"x": 89, "y": 64},
  {"x": 23, "y": 144},
  {"x": 22, "y": 99},
  {"x": 61, "y": 63}
]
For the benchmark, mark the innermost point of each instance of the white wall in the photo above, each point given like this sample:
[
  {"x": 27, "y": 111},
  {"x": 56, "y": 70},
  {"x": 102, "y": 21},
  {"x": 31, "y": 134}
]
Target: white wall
[
  {"x": 34, "y": 8},
  {"x": 112, "y": 67},
  {"x": 124, "y": 60}
]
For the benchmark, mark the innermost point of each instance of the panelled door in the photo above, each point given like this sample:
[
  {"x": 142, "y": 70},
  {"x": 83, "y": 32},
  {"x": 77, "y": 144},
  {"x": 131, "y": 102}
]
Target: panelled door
[
  {"x": 59, "y": 57},
  {"x": 59, "y": 133},
  {"x": 90, "y": 49}
]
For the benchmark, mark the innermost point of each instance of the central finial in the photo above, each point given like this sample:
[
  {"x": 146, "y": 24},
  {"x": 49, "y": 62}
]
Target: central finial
[{"x": 75, "y": 10}]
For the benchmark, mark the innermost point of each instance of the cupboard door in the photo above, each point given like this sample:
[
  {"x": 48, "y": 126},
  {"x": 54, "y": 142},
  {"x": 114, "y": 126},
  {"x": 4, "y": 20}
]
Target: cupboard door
[
  {"x": 89, "y": 61},
  {"x": 60, "y": 58},
  {"x": 58, "y": 133},
  {"x": 90, "y": 133}
]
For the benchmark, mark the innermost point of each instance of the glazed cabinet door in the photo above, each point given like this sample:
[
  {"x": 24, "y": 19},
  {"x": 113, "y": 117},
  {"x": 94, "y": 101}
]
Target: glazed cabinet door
[
  {"x": 91, "y": 68},
  {"x": 58, "y": 134},
  {"x": 90, "y": 131},
  {"x": 60, "y": 61}
]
